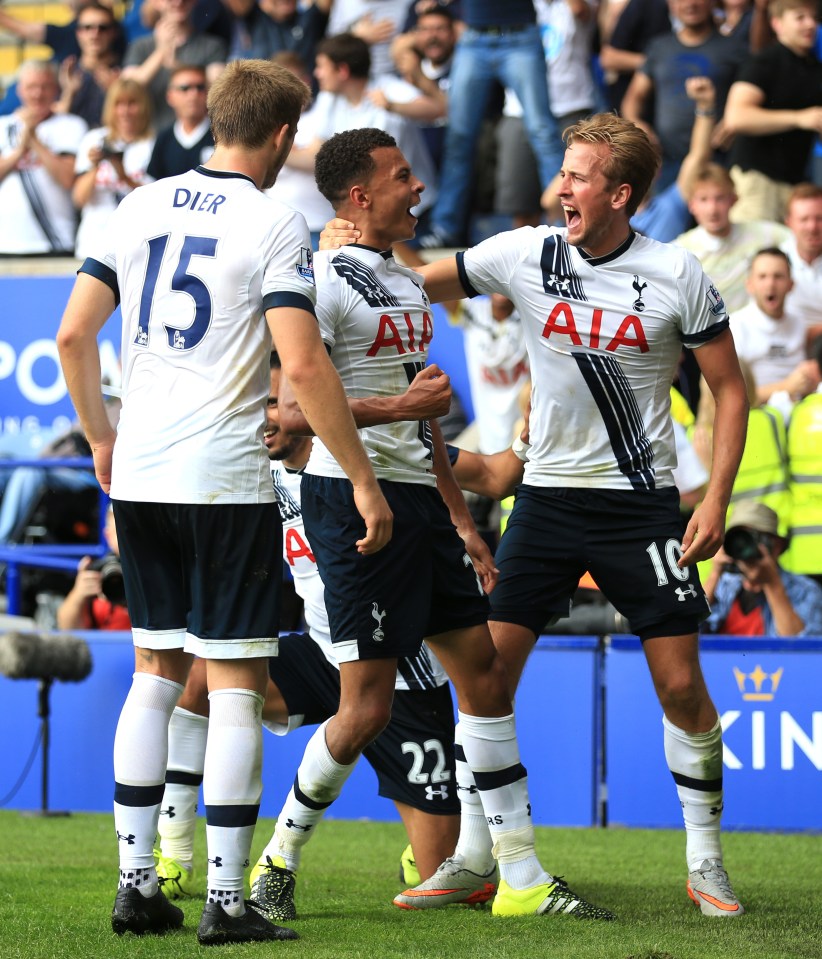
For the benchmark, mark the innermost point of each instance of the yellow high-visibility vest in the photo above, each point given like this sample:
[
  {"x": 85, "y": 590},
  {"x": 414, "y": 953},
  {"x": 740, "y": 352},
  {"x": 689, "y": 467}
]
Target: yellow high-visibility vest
[{"x": 804, "y": 553}]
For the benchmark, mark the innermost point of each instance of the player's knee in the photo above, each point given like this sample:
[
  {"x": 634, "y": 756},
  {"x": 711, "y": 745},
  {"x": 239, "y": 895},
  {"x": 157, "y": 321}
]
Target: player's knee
[
  {"x": 680, "y": 692},
  {"x": 485, "y": 691},
  {"x": 194, "y": 697},
  {"x": 498, "y": 678},
  {"x": 369, "y": 722}
]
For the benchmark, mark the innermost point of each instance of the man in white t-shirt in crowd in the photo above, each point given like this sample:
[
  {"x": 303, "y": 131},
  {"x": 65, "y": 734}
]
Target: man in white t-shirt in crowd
[
  {"x": 376, "y": 22},
  {"x": 37, "y": 151},
  {"x": 423, "y": 58},
  {"x": 722, "y": 247},
  {"x": 345, "y": 103},
  {"x": 770, "y": 337}
]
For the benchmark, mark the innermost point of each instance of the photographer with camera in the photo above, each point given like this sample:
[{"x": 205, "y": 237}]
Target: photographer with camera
[
  {"x": 749, "y": 592},
  {"x": 98, "y": 598}
]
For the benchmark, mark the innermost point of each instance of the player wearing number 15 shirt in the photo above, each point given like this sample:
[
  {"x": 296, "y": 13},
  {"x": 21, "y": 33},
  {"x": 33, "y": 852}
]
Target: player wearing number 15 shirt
[
  {"x": 197, "y": 259},
  {"x": 207, "y": 270}
]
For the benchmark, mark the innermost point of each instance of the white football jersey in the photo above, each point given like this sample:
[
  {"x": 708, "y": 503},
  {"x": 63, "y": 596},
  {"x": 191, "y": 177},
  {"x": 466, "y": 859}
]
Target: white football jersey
[
  {"x": 604, "y": 336},
  {"x": 422, "y": 671},
  {"x": 38, "y": 214},
  {"x": 497, "y": 363},
  {"x": 377, "y": 322},
  {"x": 197, "y": 259}
]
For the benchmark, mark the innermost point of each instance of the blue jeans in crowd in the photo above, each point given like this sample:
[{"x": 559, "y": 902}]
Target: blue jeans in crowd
[{"x": 517, "y": 60}]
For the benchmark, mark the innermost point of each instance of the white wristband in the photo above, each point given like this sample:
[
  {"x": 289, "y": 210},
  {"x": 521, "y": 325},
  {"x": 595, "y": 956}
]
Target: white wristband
[{"x": 520, "y": 448}]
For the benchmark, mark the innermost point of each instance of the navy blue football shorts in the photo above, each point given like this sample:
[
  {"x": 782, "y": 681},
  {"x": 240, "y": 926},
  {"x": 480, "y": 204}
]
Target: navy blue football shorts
[
  {"x": 203, "y": 578},
  {"x": 421, "y": 584},
  {"x": 413, "y": 756},
  {"x": 629, "y": 540}
]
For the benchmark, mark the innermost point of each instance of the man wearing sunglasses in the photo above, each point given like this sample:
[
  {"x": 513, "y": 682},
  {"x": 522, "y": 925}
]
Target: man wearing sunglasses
[
  {"x": 85, "y": 79},
  {"x": 62, "y": 38},
  {"x": 188, "y": 141}
]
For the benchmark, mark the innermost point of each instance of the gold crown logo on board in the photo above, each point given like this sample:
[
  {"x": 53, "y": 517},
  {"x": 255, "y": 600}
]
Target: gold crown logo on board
[{"x": 758, "y": 686}]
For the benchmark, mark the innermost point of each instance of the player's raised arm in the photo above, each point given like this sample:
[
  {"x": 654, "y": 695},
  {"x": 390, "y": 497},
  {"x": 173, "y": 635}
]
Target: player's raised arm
[
  {"x": 428, "y": 397},
  {"x": 442, "y": 281}
]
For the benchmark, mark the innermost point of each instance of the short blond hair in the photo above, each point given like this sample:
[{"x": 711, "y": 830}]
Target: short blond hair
[
  {"x": 776, "y": 8},
  {"x": 252, "y": 98},
  {"x": 632, "y": 157},
  {"x": 714, "y": 174},
  {"x": 38, "y": 66}
]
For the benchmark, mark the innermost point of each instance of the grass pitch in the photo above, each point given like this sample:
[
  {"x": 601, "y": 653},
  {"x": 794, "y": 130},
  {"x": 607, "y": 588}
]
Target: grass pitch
[{"x": 58, "y": 879}]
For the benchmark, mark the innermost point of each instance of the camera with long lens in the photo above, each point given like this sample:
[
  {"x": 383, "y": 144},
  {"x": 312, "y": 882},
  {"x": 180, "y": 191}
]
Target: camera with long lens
[
  {"x": 111, "y": 574},
  {"x": 743, "y": 544}
]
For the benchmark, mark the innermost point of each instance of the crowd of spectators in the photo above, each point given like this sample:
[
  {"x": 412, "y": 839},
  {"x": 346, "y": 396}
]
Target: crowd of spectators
[{"x": 477, "y": 95}]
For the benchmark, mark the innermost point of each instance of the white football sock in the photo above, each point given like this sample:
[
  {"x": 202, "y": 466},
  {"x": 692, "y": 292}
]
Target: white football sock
[
  {"x": 474, "y": 842},
  {"x": 187, "y": 734},
  {"x": 319, "y": 780},
  {"x": 140, "y": 753},
  {"x": 232, "y": 786},
  {"x": 492, "y": 752},
  {"x": 695, "y": 761}
]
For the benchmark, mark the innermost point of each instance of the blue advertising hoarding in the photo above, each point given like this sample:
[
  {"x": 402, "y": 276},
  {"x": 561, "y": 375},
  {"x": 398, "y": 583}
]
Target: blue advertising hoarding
[
  {"x": 769, "y": 696},
  {"x": 34, "y": 402},
  {"x": 562, "y": 672}
]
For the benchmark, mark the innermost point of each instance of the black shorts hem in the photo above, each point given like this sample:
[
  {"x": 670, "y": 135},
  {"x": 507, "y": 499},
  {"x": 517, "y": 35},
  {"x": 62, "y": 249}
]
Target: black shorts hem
[
  {"x": 466, "y": 622},
  {"x": 528, "y": 622},
  {"x": 421, "y": 805},
  {"x": 679, "y": 626}
]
